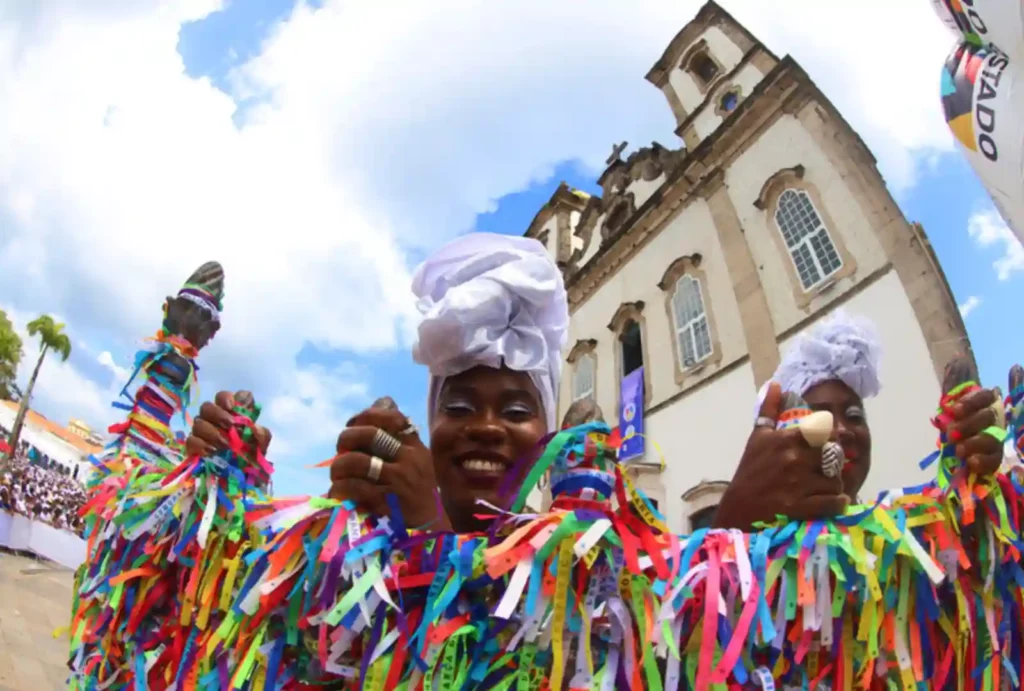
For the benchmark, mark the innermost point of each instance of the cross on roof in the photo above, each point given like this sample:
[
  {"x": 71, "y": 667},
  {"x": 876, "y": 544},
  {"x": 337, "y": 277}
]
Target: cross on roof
[{"x": 617, "y": 150}]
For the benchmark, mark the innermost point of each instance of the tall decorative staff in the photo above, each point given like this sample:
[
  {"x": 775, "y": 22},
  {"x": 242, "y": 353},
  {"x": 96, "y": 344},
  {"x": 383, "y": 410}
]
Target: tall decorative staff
[
  {"x": 144, "y": 448},
  {"x": 167, "y": 368}
]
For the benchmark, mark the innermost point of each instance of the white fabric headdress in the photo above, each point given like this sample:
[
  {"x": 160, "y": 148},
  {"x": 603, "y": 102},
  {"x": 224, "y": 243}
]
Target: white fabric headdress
[
  {"x": 839, "y": 347},
  {"x": 492, "y": 300}
]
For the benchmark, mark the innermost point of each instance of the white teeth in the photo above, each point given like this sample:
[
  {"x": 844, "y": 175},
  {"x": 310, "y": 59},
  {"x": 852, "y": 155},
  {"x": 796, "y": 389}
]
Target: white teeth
[{"x": 483, "y": 466}]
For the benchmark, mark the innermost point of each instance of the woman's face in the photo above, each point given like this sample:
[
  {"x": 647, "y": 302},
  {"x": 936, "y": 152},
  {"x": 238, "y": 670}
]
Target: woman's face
[
  {"x": 850, "y": 429},
  {"x": 486, "y": 421}
]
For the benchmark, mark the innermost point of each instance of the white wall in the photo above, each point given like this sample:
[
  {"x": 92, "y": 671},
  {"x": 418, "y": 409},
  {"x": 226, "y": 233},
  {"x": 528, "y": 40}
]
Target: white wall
[
  {"x": 784, "y": 145},
  {"x": 746, "y": 78},
  {"x": 702, "y": 436},
  {"x": 643, "y": 189},
  {"x": 901, "y": 431}
]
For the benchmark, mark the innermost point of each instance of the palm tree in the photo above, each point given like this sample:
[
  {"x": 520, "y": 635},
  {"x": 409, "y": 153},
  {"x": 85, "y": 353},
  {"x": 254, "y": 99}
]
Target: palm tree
[
  {"x": 10, "y": 356},
  {"x": 51, "y": 337}
]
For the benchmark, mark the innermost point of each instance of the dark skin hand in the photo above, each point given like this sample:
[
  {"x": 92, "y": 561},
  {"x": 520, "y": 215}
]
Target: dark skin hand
[
  {"x": 973, "y": 414},
  {"x": 487, "y": 417},
  {"x": 409, "y": 476},
  {"x": 209, "y": 431},
  {"x": 759, "y": 492},
  {"x": 779, "y": 473}
]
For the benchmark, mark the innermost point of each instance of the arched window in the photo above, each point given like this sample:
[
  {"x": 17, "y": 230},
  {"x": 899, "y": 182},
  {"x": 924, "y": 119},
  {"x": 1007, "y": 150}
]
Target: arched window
[
  {"x": 702, "y": 518},
  {"x": 701, "y": 502},
  {"x": 632, "y": 347},
  {"x": 691, "y": 322},
  {"x": 703, "y": 67},
  {"x": 729, "y": 101},
  {"x": 807, "y": 239},
  {"x": 583, "y": 378}
]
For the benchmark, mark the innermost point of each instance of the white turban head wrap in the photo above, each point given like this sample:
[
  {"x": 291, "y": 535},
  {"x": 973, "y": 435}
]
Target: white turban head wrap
[
  {"x": 839, "y": 347},
  {"x": 492, "y": 300}
]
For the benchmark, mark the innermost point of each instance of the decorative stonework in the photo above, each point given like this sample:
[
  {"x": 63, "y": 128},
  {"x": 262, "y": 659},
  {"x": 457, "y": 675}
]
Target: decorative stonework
[
  {"x": 689, "y": 265},
  {"x": 647, "y": 163},
  {"x": 586, "y": 345},
  {"x": 704, "y": 495},
  {"x": 618, "y": 205},
  {"x": 734, "y": 89},
  {"x": 585, "y": 230},
  {"x": 795, "y": 178},
  {"x": 689, "y": 63},
  {"x": 620, "y": 210},
  {"x": 794, "y": 173},
  {"x": 563, "y": 202}
]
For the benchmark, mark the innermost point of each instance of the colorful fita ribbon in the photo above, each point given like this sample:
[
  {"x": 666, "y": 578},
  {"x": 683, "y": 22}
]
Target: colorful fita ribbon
[{"x": 206, "y": 583}]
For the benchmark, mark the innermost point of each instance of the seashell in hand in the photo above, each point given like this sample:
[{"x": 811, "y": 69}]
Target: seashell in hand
[{"x": 816, "y": 427}]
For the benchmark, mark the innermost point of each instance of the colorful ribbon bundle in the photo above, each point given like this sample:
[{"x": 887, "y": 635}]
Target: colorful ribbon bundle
[
  {"x": 145, "y": 436},
  {"x": 165, "y": 540},
  {"x": 1014, "y": 406},
  {"x": 920, "y": 591}
]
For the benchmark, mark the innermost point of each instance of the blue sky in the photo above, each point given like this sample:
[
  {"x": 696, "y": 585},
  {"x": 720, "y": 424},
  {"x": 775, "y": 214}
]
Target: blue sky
[{"x": 320, "y": 150}]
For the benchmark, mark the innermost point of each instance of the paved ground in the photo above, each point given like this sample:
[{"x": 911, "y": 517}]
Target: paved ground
[{"x": 35, "y": 599}]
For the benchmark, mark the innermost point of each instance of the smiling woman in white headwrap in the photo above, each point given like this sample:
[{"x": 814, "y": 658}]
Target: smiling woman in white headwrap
[
  {"x": 495, "y": 317},
  {"x": 834, "y": 367}
]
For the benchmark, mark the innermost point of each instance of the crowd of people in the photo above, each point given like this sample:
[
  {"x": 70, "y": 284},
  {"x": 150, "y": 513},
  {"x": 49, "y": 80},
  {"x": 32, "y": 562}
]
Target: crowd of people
[{"x": 38, "y": 488}]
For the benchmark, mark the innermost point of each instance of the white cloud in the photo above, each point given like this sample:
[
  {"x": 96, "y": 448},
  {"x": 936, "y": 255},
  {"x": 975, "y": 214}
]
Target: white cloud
[
  {"x": 121, "y": 374},
  {"x": 314, "y": 407},
  {"x": 969, "y": 305},
  {"x": 379, "y": 130},
  {"x": 988, "y": 229}
]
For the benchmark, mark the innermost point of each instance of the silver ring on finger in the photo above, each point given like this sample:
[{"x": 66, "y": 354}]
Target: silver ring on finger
[
  {"x": 373, "y": 472},
  {"x": 832, "y": 459},
  {"x": 763, "y": 421},
  {"x": 409, "y": 430},
  {"x": 385, "y": 446}
]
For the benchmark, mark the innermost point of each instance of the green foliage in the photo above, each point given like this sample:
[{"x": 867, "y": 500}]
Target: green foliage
[
  {"x": 10, "y": 357},
  {"x": 51, "y": 335}
]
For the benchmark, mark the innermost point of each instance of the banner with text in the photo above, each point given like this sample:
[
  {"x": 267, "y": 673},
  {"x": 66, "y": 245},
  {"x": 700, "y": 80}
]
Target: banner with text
[{"x": 631, "y": 416}]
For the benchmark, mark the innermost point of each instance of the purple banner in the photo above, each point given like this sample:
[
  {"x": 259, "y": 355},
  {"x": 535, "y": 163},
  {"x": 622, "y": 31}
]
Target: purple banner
[{"x": 631, "y": 416}]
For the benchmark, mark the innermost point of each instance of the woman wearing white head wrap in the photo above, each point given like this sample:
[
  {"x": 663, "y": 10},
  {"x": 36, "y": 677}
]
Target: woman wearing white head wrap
[
  {"x": 493, "y": 301},
  {"x": 495, "y": 316},
  {"x": 834, "y": 367}
]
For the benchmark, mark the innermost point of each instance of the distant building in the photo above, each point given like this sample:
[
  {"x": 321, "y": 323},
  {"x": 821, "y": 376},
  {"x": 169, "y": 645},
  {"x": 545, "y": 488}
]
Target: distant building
[
  {"x": 80, "y": 429},
  {"x": 65, "y": 446},
  {"x": 700, "y": 263}
]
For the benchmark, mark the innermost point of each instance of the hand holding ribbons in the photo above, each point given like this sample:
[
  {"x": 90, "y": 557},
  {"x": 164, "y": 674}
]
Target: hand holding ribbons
[{"x": 362, "y": 473}]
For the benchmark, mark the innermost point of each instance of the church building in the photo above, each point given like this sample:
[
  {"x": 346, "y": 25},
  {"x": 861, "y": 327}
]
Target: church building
[{"x": 700, "y": 261}]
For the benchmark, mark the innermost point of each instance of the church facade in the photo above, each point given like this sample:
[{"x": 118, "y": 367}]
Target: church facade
[{"x": 700, "y": 263}]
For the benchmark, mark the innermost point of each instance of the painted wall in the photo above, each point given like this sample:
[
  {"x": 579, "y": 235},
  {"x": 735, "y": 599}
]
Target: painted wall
[
  {"x": 746, "y": 78},
  {"x": 702, "y": 436},
  {"x": 785, "y": 145}
]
